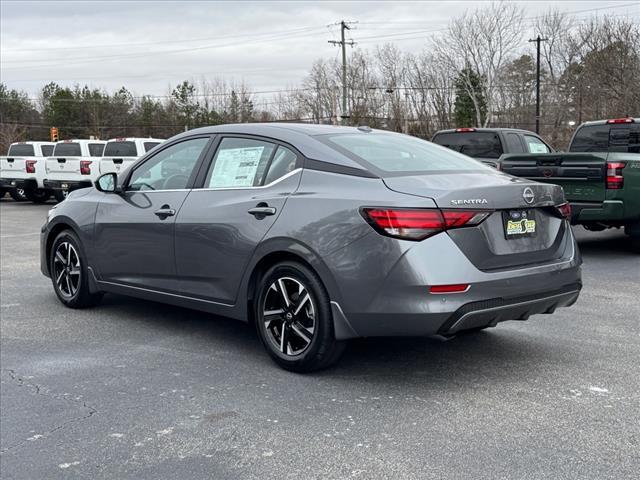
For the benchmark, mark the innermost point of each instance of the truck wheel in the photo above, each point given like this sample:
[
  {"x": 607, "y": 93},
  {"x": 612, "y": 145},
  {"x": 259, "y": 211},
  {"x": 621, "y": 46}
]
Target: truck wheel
[
  {"x": 633, "y": 231},
  {"x": 3, "y": 192},
  {"x": 17, "y": 194},
  {"x": 59, "y": 195},
  {"x": 38, "y": 195}
]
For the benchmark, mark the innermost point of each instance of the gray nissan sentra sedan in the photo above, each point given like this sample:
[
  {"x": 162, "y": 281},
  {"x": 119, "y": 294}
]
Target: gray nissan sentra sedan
[{"x": 317, "y": 234}]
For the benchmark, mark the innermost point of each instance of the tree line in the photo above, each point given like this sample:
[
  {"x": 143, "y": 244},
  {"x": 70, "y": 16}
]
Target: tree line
[{"x": 480, "y": 72}]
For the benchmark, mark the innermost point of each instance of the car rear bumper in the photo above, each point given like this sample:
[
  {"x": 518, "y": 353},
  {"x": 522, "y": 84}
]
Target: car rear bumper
[
  {"x": 24, "y": 183},
  {"x": 606, "y": 211},
  {"x": 67, "y": 185}
]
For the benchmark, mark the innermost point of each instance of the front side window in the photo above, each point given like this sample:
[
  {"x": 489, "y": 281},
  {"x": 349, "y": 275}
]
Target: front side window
[
  {"x": 96, "y": 149},
  {"x": 239, "y": 162},
  {"x": 120, "y": 149},
  {"x": 535, "y": 145},
  {"x": 21, "y": 150},
  {"x": 67, "y": 149},
  {"x": 399, "y": 154},
  {"x": 474, "y": 144},
  {"x": 169, "y": 169}
]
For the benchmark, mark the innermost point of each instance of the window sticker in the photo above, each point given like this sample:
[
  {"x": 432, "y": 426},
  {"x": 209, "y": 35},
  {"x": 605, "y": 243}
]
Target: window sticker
[
  {"x": 236, "y": 167},
  {"x": 538, "y": 148}
]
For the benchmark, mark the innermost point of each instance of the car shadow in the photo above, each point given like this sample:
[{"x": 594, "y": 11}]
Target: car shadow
[
  {"x": 604, "y": 244},
  {"x": 492, "y": 354}
]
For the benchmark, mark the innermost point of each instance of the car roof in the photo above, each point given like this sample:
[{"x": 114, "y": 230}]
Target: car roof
[
  {"x": 133, "y": 139},
  {"x": 299, "y": 135},
  {"x": 488, "y": 130},
  {"x": 605, "y": 122}
]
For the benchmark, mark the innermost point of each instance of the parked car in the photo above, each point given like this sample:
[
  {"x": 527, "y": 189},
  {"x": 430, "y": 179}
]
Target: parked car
[
  {"x": 489, "y": 144},
  {"x": 317, "y": 234},
  {"x": 73, "y": 165},
  {"x": 22, "y": 171},
  {"x": 600, "y": 175},
  {"x": 120, "y": 153}
]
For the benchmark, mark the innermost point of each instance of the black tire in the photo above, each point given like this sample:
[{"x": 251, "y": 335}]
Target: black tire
[
  {"x": 59, "y": 195},
  {"x": 71, "y": 288},
  {"x": 308, "y": 343},
  {"x": 38, "y": 195},
  {"x": 3, "y": 192},
  {"x": 17, "y": 194}
]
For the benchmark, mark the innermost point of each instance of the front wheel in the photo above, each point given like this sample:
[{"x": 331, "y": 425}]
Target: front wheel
[
  {"x": 38, "y": 195},
  {"x": 294, "y": 319},
  {"x": 69, "y": 273}
]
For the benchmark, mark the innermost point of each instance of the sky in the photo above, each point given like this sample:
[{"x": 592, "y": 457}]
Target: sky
[{"x": 150, "y": 46}]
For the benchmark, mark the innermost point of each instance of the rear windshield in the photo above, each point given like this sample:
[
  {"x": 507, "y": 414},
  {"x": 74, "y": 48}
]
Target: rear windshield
[
  {"x": 474, "y": 144},
  {"x": 120, "y": 149},
  {"x": 67, "y": 149},
  {"x": 21, "y": 150},
  {"x": 47, "y": 150},
  {"x": 149, "y": 145},
  {"x": 593, "y": 138},
  {"x": 96, "y": 149},
  {"x": 607, "y": 138},
  {"x": 392, "y": 153}
]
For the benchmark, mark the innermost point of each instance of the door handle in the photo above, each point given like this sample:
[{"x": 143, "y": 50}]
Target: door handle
[
  {"x": 165, "y": 211},
  {"x": 262, "y": 211}
]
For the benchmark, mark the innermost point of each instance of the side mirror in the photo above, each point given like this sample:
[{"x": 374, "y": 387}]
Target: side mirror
[{"x": 107, "y": 183}]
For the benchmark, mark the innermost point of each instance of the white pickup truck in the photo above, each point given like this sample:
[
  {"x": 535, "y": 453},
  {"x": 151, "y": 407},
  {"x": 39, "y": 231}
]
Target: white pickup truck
[
  {"x": 22, "y": 171},
  {"x": 73, "y": 165},
  {"x": 120, "y": 153}
]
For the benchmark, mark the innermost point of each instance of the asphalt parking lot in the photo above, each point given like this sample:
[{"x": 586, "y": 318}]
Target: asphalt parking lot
[{"x": 135, "y": 389}]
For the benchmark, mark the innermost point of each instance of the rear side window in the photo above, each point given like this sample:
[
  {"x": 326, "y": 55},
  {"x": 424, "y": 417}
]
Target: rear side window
[
  {"x": 21, "y": 150},
  {"x": 634, "y": 139},
  {"x": 149, "y": 145},
  {"x": 120, "y": 149},
  {"x": 47, "y": 150},
  {"x": 239, "y": 162},
  {"x": 514, "y": 145},
  {"x": 67, "y": 149},
  {"x": 474, "y": 144},
  {"x": 283, "y": 162},
  {"x": 535, "y": 145},
  {"x": 625, "y": 138},
  {"x": 592, "y": 138},
  {"x": 399, "y": 154},
  {"x": 96, "y": 149}
]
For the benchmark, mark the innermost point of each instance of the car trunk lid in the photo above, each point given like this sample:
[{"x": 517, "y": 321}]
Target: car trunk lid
[{"x": 493, "y": 244}]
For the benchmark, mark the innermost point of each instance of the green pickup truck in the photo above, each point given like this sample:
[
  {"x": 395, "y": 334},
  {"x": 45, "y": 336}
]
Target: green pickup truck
[{"x": 600, "y": 174}]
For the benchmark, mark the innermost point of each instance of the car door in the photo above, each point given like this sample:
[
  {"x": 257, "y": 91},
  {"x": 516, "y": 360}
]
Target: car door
[
  {"x": 134, "y": 229},
  {"x": 221, "y": 223}
]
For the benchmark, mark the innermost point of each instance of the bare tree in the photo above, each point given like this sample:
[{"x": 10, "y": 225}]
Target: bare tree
[{"x": 481, "y": 42}]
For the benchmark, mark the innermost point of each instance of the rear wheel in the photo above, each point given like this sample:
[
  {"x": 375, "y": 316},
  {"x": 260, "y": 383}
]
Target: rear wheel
[
  {"x": 294, "y": 320},
  {"x": 38, "y": 195},
  {"x": 69, "y": 273},
  {"x": 18, "y": 194},
  {"x": 59, "y": 195}
]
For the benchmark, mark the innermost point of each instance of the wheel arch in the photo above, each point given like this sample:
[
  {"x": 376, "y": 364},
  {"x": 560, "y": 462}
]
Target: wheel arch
[
  {"x": 55, "y": 230},
  {"x": 279, "y": 250}
]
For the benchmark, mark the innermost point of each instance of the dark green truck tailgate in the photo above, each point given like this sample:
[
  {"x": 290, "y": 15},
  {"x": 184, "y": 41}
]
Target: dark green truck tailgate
[{"x": 581, "y": 175}]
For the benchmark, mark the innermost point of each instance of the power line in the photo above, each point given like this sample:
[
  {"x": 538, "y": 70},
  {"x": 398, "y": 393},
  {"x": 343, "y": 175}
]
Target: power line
[{"x": 343, "y": 43}]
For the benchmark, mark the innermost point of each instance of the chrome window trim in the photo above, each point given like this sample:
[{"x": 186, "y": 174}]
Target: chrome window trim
[{"x": 282, "y": 178}]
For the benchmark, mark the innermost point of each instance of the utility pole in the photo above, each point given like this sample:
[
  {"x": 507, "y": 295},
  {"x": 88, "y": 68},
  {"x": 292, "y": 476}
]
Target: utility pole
[
  {"x": 343, "y": 43},
  {"x": 538, "y": 40}
]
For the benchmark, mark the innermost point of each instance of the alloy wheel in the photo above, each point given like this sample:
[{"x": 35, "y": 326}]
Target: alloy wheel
[
  {"x": 289, "y": 316},
  {"x": 66, "y": 269}
]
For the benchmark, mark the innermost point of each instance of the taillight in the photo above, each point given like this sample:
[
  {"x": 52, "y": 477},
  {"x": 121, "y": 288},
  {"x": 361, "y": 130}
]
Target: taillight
[
  {"x": 85, "y": 167},
  {"x": 30, "y": 166},
  {"x": 621, "y": 120},
  {"x": 420, "y": 223},
  {"x": 462, "y": 130},
  {"x": 615, "y": 179},
  {"x": 564, "y": 210}
]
